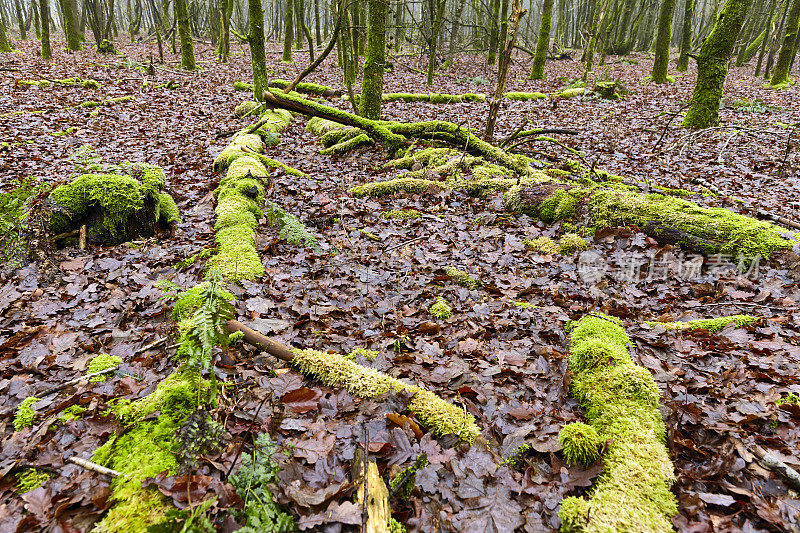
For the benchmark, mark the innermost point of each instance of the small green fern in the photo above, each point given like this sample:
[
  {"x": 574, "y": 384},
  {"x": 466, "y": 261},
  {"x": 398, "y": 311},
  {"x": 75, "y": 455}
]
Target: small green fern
[{"x": 292, "y": 230}]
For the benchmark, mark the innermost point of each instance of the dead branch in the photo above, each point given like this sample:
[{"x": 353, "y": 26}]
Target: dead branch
[{"x": 100, "y": 469}]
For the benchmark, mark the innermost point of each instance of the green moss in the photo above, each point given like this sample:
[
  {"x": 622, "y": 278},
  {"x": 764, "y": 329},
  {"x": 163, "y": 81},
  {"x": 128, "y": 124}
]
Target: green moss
[
  {"x": 408, "y": 477},
  {"x": 401, "y": 214},
  {"x": 118, "y": 196},
  {"x": 462, "y": 278},
  {"x": 581, "y": 443},
  {"x": 395, "y": 526},
  {"x": 541, "y": 245},
  {"x": 241, "y": 145},
  {"x": 25, "y": 414},
  {"x": 242, "y": 86},
  {"x": 107, "y": 101},
  {"x": 102, "y": 362},
  {"x": 562, "y": 204},
  {"x": 725, "y": 231},
  {"x": 526, "y": 305},
  {"x": 68, "y": 131},
  {"x": 304, "y": 87},
  {"x": 711, "y": 324},
  {"x": 383, "y": 188},
  {"x": 30, "y": 479},
  {"x": 346, "y": 146},
  {"x": 621, "y": 399},
  {"x": 434, "y": 413},
  {"x": 791, "y": 398},
  {"x": 524, "y": 96},
  {"x": 237, "y": 257},
  {"x": 73, "y": 412},
  {"x": 440, "y": 309},
  {"x": 236, "y": 209},
  {"x": 246, "y": 108},
  {"x": 175, "y": 396},
  {"x": 42, "y": 84},
  {"x": 569, "y": 243},
  {"x": 570, "y": 93},
  {"x": 319, "y": 126},
  {"x": 369, "y": 355},
  {"x": 168, "y": 209},
  {"x": 244, "y": 167}
]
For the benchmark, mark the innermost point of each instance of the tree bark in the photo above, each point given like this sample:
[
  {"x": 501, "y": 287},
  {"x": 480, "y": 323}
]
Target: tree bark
[
  {"x": 288, "y": 32},
  {"x": 543, "y": 43},
  {"x": 663, "y": 39},
  {"x": 712, "y": 65},
  {"x": 502, "y": 75},
  {"x": 47, "y": 52},
  {"x": 686, "y": 36},
  {"x": 187, "y": 47},
  {"x": 20, "y": 20},
  {"x": 69, "y": 10},
  {"x": 780, "y": 74},
  {"x": 435, "y": 26},
  {"x": 374, "y": 61},
  {"x": 255, "y": 37}
]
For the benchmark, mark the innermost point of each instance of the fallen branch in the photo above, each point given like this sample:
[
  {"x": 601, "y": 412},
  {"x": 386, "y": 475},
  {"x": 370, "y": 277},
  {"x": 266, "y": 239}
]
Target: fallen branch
[
  {"x": 335, "y": 370},
  {"x": 779, "y": 467},
  {"x": 77, "y": 380},
  {"x": 88, "y": 465}
]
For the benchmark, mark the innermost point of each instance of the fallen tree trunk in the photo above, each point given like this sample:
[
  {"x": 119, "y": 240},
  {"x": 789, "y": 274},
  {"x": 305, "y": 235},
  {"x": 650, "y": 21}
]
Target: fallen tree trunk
[{"x": 665, "y": 218}]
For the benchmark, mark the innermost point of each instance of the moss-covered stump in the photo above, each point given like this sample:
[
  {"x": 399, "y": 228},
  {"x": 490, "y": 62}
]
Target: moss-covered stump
[
  {"x": 621, "y": 401},
  {"x": 607, "y": 90},
  {"x": 115, "y": 207},
  {"x": 667, "y": 219}
]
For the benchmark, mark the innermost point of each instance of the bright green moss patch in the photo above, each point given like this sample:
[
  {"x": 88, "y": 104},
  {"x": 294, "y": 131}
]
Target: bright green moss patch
[
  {"x": 384, "y": 188},
  {"x": 68, "y": 131},
  {"x": 73, "y": 412},
  {"x": 569, "y": 243},
  {"x": 305, "y": 87},
  {"x": 434, "y": 413},
  {"x": 107, "y": 101},
  {"x": 621, "y": 401},
  {"x": 401, "y": 214},
  {"x": 541, "y": 245},
  {"x": 25, "y": 414},
  {"x": 722, "y": 230},
  {"x": 319, "y": 126},
  {"x": 102, "y": 362},
  {"x": 168, "y": 209},
  {"x": 570, "y": 93},
  {"x": 237, "y": 258},
  {"x": 580, "y": 442},
  {"x": 345, "y": 146},
  {"x": 242, "y": 86},
  {"x": 462, "y": 278},
  {"x": 711, "y": 324},
  {"x": 440, "y": 309},
  {"x": 369, "y": 355},
  {"x": 30, "y": 479},
  {"x": 512, "y": 95}
]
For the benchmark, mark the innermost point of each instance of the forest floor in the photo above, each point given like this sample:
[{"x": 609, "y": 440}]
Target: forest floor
[{"x": 502, "y": 354}]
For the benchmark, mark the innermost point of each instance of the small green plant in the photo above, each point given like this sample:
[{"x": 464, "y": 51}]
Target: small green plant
[
  {"x": 292, "y": 230},
  {"x": 525, "y": 305},
  {"x": 746, "y": 105},
  {"x": 30, "y": 479},
  {"x": 516, "y": 457},
  {"x": 790, "y": 398},
  {"x": 25, "y": 414},
  {"x": 401, "y": 343},
  {"x": 369, "y": 355},
  {"x": 406, "y": 479},
  {"x": 261, "y": 513},
  {"x": 102, "y": 362},
  {"x": 440, "y": 309},
  {"x": 205, "y": 253},
  {"x": 199, "y": 435},
  {"x": 169, "y": 289}
]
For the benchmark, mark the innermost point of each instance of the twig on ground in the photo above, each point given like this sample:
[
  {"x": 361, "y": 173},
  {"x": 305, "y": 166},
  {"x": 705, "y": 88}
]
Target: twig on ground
[
  {"x": 88, "y": 465},
  {"x": 77, "y": 380}
]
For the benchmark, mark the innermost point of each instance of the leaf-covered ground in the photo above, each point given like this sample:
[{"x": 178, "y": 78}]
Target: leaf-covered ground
[{"x": 504, "y": 362}]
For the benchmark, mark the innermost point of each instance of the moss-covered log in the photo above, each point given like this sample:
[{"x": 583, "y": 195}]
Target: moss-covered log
[
  {"x": 307, "y": 88},
  {"x": 433, "y": 98},
  {"x": 115, "y": 208},
  {"x": 665, "y": 218},
  {"x": 621, "y": 401}
]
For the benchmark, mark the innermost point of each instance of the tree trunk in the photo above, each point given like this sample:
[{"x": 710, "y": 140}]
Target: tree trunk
[
  {"x": 255, "y": 37},
  {"x": 5, "y": 44},
  {"x": 69, "y": 10},
  {"x": 299, "y": 23},
  {"x": 317, "y": 33},
  {"x": 47, "y": 52},
  {"x": 288, "y": 32},
  {"x": 454, "y": 30},
  {"x": 502, "y": 72},
  {"x": 767, "y": 36},
  {"x": 494, "y": 14},
  {"x": 599, "y": 6},
  {"x": 712, "y": 65},
  {"x": 20, "y": 20},
  {"x": 375, "y": 61},
  {"x": 187, "y": 47},
  {"x": 780, "y": 74},
  {"x": 686, "y": 36},
  {"x": 435, "y": 26},
  {"x": 543, "y": 43},
  {"x": 224, "y": 48},
  {"x": 663, "y": 39}
]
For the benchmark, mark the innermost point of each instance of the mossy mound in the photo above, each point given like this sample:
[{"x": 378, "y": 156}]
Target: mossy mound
[
  {"x": 246, "y": 108},
  {"x": 621, "y": 401},
  {"x": 570, "y": 93},
  {"x": 114, "y": 207},
  {"x": 319, "y": 126},
  {"x": 580, "y": 442},
  {"x": 25, "y": 414},
  {"x": 440, "y": 309},
  {"x": 462, "y": 278},
  {"x": 102, "y": 362}
]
